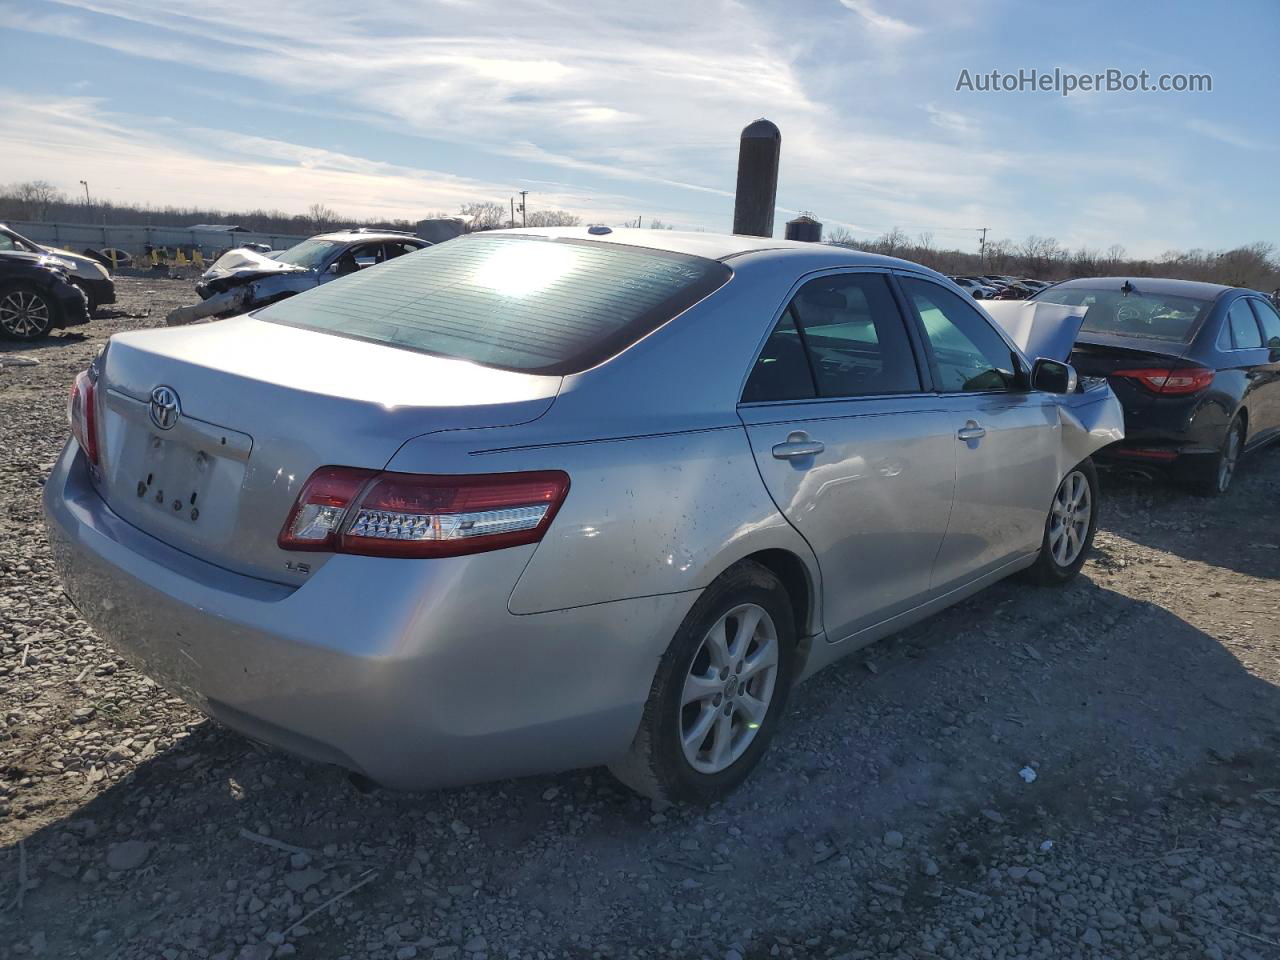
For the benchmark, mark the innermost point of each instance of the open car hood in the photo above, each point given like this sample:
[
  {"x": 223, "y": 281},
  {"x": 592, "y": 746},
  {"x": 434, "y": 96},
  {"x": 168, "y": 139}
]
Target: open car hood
[
  {"x": 246, "y": 263},
  {"x": 1039, "y": 329}
]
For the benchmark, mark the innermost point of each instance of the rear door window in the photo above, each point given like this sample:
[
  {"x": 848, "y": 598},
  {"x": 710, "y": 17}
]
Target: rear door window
[
  {"x": 1244, "y": 326},
  {"x": 782, "y": 370},
  {"x": 515, "y": 302},
  {"x": 398, "y": 248},
  {"x": 841, "y": 336},
  {"x": 856, "y": 340},
  {"x": 1270, "y": 321}
]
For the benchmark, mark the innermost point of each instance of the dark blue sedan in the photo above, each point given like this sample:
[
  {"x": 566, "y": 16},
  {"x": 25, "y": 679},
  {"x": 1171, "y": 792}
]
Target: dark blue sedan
[{"x": 1196, "y": 366}]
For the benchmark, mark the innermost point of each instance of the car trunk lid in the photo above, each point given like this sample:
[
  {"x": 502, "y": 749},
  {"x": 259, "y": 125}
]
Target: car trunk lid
[
  {"x": 207, "y": 433},
  {"x": 1101, "y": 355}
]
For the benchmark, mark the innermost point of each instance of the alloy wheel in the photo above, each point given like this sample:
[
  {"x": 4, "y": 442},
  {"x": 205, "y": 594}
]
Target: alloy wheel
[
  {"x": 729, "y": 688},
  {"x": 24, "y": 314},
  {"x": 1069, "y": 526}
]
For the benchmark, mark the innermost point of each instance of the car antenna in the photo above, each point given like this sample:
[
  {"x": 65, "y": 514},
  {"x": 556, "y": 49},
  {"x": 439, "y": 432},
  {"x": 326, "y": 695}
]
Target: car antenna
[{"x": 1127, "y": 288}]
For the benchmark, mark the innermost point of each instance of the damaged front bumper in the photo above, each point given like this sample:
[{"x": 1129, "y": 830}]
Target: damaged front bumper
[
  {"x": 225, "y": 304},
  {"x": 221, "y": 300}
]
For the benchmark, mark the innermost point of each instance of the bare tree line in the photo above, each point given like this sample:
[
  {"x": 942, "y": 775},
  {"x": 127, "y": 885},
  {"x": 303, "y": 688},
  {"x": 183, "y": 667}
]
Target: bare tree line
[
  {"x": 42, "y": 201},
  {"x": 490, "y": 215},
  {"x": 1253, "y": 265}
]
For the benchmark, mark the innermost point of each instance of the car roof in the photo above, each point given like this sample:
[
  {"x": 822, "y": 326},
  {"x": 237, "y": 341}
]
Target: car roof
[
  {"x": 721, "y": 246},
  {"x": 1192, "y": 289},
  {"x": 353, "y": 236}
]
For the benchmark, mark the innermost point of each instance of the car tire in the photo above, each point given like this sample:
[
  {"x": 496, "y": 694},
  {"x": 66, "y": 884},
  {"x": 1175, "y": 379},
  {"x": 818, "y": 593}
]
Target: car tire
[
  {"x": 26, "y": 312},
  {"x": 1069, "y": 528},
  {"x": 1211, "y": 475},
  {"x": 710, "y": 716}
]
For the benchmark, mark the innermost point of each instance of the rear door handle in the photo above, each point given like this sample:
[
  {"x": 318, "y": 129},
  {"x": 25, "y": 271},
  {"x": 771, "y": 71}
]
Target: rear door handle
[
  {"x": 798, "y": 444},
  {"x": 971, "y": 431}
]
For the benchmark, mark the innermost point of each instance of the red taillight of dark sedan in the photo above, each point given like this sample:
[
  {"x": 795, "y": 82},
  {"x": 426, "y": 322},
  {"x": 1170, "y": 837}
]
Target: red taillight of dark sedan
[{"x": 1170, "y": 382}]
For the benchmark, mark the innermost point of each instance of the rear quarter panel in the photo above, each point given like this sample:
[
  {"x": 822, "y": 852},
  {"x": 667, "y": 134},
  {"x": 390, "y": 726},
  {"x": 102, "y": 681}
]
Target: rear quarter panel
[
  {"x": 644, "y": 516},
  {"x": 665, "y": 493}
]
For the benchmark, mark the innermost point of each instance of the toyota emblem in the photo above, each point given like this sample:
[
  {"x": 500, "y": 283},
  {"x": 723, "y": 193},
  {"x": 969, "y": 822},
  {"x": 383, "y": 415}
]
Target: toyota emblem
[{"x": 164, "y": 407}]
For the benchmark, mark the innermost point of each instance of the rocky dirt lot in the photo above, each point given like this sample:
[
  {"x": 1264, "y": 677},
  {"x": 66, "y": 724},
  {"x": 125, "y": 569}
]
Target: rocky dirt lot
[{"x": 893, "y": 817}]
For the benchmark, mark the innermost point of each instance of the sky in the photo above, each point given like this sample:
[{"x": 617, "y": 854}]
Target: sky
[{"x": 403, "y": 108}]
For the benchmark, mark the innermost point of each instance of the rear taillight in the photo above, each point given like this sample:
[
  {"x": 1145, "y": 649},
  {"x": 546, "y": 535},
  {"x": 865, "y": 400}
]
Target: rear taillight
[
  {"x": 345, "y": 510},
  {"x": 1165, "y": 381},
  {"x": 322, "y": 505},
  {"x": 82, "y": 414}
]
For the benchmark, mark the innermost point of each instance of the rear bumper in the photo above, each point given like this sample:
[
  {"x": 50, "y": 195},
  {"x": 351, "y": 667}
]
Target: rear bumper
[
  {"x": 1160, "y": 433},
  {"x": 411, "y": 672},
  {"x": 1159, "y": 446},
  {"x": 1150, "y": 455}
]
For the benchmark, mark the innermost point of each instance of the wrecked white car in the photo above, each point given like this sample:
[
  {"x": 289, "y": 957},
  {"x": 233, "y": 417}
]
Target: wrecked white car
[{"x": 243, "y": 279}]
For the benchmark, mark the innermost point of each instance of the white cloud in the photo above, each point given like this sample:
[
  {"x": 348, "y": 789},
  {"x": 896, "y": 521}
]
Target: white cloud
[
  {"x": 951, "y": 121},
  {"x": 881, "y": 21},
  {"x": 1222, "y": 134}
]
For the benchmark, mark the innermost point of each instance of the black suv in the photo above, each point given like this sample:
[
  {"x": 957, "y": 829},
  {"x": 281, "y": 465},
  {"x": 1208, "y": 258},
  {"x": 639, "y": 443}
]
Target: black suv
[{"x": 36, "y": 296}]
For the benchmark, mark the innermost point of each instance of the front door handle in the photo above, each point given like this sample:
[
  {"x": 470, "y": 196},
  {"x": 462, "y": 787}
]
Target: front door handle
[
  {"x": 798, "y": 444},
  {"x": 971, "y": 431}
]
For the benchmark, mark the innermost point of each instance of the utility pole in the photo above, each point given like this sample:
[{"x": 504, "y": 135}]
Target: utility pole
[
  {"x": 524, "y": 214},
  {"x": 513, "y": 211},
  {"x": 640, "y": 221},
  {"x": 982, "y": 247}
]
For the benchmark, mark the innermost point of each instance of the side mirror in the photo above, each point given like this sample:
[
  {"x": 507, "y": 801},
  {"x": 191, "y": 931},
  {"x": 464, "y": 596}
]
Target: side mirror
[
  {"x": 333, "y": 267},
  {"x": 1053, "y": 376}
]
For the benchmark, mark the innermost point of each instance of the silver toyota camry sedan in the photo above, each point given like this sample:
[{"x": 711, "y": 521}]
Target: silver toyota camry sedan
[{"x": 534, "y": 500}]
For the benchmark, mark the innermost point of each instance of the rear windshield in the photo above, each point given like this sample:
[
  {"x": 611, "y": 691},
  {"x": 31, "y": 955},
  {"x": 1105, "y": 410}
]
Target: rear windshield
[
  {"x": 533, "y": 304},
  {"x": 1149, "y": 316}
]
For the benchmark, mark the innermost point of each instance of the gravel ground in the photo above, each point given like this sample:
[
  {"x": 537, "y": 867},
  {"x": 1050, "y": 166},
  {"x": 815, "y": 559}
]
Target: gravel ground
[{"x": 893, "y": 817}]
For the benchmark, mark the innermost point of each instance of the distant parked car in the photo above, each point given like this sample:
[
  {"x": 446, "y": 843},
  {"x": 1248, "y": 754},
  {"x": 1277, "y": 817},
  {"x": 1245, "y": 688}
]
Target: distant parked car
[
  {"x": 1035, "y": 284},
  {"x": 998, "y": 279},
  {"x": 242, "y": 279},
  {"x": 1015, "y": 291},
  {"x": 1196, "y": 365},
  {"x": 977, "y": 290},
  {"x": 541, "y": 499},
  {"x": 85, "y": 272},
  {"x": 36, "y": 295}
]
